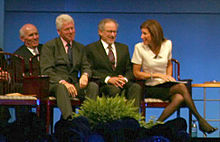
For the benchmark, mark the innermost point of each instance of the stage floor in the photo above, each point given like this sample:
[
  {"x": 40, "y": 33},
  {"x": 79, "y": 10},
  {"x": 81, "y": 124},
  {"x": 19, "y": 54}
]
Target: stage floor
[{"x": 205, "y": 140}]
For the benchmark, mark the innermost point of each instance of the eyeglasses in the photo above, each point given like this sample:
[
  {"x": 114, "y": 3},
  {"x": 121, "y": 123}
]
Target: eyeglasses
[{"x": 110, "y": 31}]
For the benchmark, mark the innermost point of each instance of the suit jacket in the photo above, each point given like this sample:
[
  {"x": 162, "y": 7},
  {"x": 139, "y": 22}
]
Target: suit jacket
[
  {"x": 55, "y": 63},
  {"x": 101, "y": 66},
  {"x": 26, "y": 54}
]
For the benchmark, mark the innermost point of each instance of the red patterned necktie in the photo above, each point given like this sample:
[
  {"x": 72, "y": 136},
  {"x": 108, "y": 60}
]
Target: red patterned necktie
[
  {"x": 69, "y": 52},
  {"x": 111, "y": 57}
]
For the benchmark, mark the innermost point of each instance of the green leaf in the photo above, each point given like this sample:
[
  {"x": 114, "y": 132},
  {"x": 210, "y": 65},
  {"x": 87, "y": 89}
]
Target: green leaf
[{"x": 106, "y": 109}]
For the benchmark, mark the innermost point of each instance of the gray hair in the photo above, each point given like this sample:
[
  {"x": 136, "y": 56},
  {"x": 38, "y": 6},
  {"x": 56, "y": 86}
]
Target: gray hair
[
  {"x": 104, "y": 21},
  {"x": 62, "y": 19}
]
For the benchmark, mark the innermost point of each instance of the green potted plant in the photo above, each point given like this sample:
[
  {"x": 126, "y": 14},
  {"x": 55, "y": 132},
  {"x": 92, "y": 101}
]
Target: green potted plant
[{"x": 107, "y": 109}]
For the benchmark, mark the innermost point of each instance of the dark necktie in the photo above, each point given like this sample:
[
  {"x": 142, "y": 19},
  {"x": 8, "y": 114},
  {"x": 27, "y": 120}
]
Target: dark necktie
[
  {"x": 111, "y": 57},
  {"x": 69, "y": 52}
]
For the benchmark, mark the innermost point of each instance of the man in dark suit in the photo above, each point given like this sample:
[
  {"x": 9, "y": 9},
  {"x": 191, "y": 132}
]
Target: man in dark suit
[
  {"x": 111, "y": 66},
  {"x": 62, "y": 59},
  {"x": 30, "y": 36}
]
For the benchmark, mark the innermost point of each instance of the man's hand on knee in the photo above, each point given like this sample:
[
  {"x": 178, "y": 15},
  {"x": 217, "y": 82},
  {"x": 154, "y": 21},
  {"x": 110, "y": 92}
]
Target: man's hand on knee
[
  {"x": 117, "y": 81},
  {"x": 70, "y": 87}
]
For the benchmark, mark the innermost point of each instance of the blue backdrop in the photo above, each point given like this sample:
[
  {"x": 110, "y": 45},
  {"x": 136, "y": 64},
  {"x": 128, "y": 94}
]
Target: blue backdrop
[{"x": 193, "y": 27}]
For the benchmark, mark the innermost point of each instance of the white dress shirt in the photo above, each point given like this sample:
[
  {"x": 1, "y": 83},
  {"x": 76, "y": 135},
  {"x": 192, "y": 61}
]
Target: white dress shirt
[
  {"x": 151, "y": 63},
  {"x": 34, "y": 51}
]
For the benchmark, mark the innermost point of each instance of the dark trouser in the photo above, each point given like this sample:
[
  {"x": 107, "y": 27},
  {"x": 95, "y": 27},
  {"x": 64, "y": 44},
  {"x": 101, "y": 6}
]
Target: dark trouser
[
  {"x": 63, "y": 97},
  {"x": 132, "y": 91}
]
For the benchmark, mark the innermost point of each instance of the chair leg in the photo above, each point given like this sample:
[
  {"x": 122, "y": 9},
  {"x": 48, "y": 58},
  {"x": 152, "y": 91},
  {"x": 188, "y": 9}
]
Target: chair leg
[
  {"x": 178, "y": 113},
  {"x": 51, "y": 120},
  {"x": 190, "y": 123}
]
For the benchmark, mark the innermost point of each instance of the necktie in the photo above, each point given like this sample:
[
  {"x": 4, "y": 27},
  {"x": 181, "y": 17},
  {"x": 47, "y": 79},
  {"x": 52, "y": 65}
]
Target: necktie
[
  {"x": 111, "y": 57},
  {"x": 69, "y": 52}
]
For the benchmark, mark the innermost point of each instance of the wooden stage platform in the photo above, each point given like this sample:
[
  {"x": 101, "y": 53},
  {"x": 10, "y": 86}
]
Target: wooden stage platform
[{"x": 205, "y": 140}]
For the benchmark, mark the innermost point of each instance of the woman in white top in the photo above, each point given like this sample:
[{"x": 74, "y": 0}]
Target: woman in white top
[{"x": 152, "y": 62}]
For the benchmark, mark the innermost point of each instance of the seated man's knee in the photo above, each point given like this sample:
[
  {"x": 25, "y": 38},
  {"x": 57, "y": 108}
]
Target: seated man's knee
[
  {"x": 94, "y": 86},
  {"x": 60, "y": 89},
  {"x": 135, "y": 90},
  {"x": 111, "y": 90},
  {"x": 137, "y": 86},
  {"x": 92, "y": 90}
]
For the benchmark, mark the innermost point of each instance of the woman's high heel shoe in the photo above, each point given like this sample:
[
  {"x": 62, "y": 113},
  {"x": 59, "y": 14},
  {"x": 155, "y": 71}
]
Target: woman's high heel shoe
[{"x": 207, "y": 131}]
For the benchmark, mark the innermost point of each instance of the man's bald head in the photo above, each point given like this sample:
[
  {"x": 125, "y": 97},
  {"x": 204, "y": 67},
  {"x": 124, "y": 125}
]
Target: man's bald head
[{"x": 29, "y": 35}]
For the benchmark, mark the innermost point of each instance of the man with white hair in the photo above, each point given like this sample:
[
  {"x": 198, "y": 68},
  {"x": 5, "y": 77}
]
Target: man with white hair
[
  {"x": 30, "y": 36},
  {"x": 63, "y": 59}
]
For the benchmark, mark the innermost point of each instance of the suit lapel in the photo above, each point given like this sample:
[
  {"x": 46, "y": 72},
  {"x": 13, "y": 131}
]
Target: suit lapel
[
  {"x": 102, "y": 52},
  {"x": 75, "y": 53},
  {"x": 39, "y": 48},
  {"x": 62, "y": 51},
  {"x": 118, "y": 52},
  {"x": 28, "y": 52}
]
